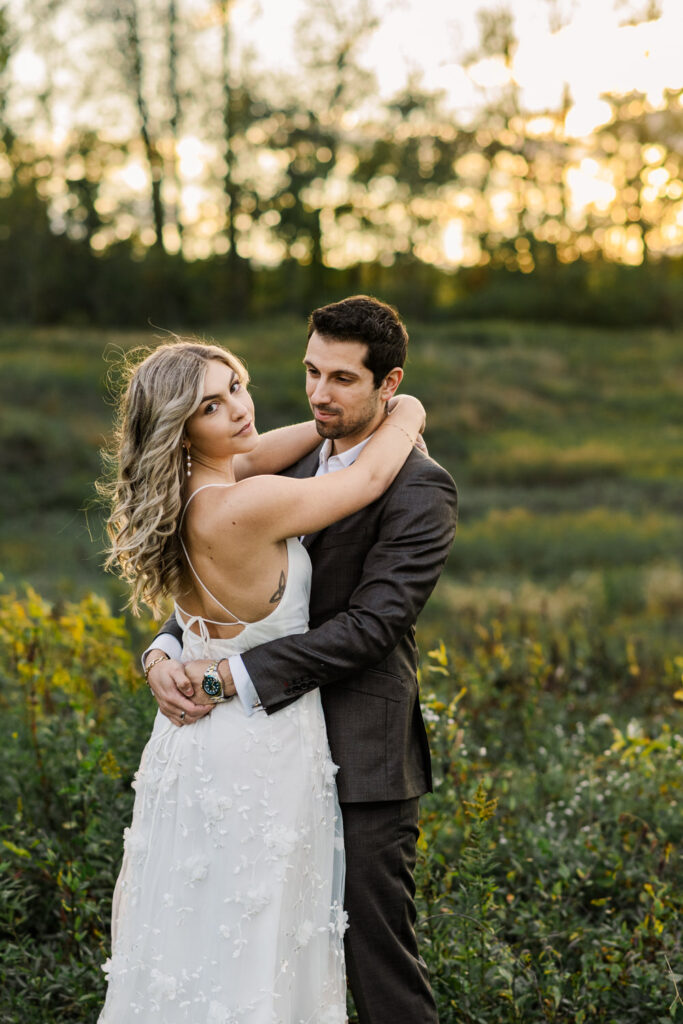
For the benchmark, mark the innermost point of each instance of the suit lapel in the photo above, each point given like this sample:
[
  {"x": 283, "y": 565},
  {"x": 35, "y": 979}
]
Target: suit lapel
[
  {"x": 309, "y": 538},
  {"x": 307, "y": 466}
]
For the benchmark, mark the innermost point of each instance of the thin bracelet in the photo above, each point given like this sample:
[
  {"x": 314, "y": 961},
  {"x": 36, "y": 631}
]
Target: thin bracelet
[
  {"x": 403, "y": 431},
  {"x": 146, "y": 670}
]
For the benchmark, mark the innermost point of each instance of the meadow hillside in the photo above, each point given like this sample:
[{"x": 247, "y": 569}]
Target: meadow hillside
[
  {"x": 550, "y": 880},
  {"x": 566, "y": 444}
]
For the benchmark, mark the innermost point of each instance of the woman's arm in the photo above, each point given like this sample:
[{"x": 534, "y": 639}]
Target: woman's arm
[
  {"x": 270, "y": 507},
  {"x": 277, "y": 449}
]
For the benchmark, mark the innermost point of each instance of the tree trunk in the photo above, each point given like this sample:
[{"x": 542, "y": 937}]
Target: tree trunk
[
  {"x": 176, "y": 105},
  {"x": 239, "y": 270},
  {"x": 154, "y": 160},
  {"x": 231, "y": 193}
]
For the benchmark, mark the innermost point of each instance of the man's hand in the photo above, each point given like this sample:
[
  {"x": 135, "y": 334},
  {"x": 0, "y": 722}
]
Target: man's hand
[
  {"x": 195, "y": 673},
  {"x": 173, "y": 691}
]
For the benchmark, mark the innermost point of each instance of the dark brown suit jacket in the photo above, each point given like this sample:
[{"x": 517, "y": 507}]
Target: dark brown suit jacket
[{"x": 372, "y": 574}]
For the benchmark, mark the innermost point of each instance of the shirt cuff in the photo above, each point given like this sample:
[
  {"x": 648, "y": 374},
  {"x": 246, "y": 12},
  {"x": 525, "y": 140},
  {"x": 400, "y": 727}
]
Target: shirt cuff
[
  {"x": 246, "y": 690},
  {"x": 167, "y": 643}
]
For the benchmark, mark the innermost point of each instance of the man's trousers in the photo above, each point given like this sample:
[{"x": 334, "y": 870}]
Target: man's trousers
[{"x": 387, "y": 976}]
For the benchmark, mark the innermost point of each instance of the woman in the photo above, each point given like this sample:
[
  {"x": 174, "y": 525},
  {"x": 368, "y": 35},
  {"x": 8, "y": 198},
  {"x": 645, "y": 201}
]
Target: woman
[{"x": 228, "y": 907}]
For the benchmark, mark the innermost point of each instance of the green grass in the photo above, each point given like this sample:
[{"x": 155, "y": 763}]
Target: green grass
[
  {"x": 580, "y": 428},
  {"x": 549, "y": 882},
  {"x": 550, "y": 873}
]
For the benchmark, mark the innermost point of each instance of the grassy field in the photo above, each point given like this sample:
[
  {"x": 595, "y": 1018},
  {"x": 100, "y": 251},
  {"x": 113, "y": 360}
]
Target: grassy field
[
  {"x": 550, "y": 882},
  {"x": 567, "y": 445}
]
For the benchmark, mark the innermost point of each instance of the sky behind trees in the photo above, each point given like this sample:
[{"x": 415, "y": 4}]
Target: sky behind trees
[
  {"x": 587, "y": 46},
  {"x": 337, "y": 135}
]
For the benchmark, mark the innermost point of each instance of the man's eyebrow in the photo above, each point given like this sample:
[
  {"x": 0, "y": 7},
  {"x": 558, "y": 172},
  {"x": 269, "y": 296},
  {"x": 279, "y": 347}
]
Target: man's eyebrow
[{"x": 346, "y": 373}]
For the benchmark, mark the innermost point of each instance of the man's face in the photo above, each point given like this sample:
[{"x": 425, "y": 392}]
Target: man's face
[{"x": 341, "y": 390}]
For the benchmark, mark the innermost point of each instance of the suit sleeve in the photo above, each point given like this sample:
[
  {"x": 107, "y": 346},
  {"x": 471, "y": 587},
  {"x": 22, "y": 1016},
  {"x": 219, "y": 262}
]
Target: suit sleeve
[
  {"x": 399, "y": 573},
  {"x": 170, "y": 626}
]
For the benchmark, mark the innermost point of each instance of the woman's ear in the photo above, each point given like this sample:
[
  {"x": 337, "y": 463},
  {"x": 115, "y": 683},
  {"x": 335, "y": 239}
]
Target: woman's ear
[{"x": 387, "y": 388}]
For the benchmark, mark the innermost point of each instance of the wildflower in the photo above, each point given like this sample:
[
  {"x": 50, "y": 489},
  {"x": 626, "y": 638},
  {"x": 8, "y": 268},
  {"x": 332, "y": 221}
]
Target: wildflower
[
  {"x": 110, "y": 766},
  {"x": 480, "y": 807}
]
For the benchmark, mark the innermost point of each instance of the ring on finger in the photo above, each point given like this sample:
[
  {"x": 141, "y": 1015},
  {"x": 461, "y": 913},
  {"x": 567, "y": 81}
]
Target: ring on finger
[{"x": 182, "y": 717}]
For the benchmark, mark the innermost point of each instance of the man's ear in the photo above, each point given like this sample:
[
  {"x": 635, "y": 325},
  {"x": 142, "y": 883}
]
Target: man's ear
[{"x": 387, "y": 388}]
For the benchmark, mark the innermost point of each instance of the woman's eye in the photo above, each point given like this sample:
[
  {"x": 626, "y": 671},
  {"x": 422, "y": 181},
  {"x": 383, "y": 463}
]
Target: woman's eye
[
  {"x": 235, "y": 386},
  {"x": 211, "y": 407}
]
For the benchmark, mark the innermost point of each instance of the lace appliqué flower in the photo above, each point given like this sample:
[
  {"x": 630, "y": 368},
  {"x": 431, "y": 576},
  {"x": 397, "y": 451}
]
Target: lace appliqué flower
[
  {"x": 136, "y": 843},
  {"x": 333, "y": 1015},
  {"x": 196, "y": 869},
  {"x": 304, "y": 933},
  {"x": 162, "y": 986},
  {"x": 220, "y": 1014},
  {"x": 340, "y": 920},
  {"x": 281, "y": 840}
]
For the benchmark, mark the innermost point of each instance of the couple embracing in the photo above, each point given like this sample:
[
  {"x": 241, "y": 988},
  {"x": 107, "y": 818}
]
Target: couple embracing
[{"x": 273, "y": 840}]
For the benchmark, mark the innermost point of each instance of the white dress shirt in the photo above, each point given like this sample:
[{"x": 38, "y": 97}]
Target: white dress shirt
[{"x": 246, "y": 691}]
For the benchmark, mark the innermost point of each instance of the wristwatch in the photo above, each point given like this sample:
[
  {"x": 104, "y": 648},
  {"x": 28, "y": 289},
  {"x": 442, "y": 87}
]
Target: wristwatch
[{"x": 212, "y": 684}]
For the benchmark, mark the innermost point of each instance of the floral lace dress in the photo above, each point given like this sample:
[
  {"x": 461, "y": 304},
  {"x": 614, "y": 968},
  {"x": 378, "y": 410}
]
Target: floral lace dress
[{"x": 228, "y": 907}]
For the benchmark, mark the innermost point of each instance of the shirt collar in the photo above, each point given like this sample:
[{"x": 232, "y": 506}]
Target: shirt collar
[{"x": 342, "y": 460}]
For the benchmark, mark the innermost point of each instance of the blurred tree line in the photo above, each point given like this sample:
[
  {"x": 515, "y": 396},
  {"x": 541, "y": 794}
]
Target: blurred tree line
[{"x": 187, "y": 186}]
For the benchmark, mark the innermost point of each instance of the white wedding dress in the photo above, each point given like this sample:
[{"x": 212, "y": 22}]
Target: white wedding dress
[{"x": 228, "y": 907}]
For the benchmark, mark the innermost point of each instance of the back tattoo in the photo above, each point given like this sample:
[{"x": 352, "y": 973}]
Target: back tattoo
[{"x": 277, "y": 596}]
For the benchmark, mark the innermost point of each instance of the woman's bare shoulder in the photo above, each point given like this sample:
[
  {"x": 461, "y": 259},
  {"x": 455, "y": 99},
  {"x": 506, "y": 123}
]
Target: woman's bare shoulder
[{"x": 229, "y": 505}]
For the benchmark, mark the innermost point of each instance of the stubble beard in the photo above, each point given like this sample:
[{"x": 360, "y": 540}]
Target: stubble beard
[{"x": 340, "y": 427}]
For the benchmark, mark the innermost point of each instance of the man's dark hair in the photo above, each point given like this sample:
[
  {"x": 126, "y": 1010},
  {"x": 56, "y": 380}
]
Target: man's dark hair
[{"x": 373, "y": 323}]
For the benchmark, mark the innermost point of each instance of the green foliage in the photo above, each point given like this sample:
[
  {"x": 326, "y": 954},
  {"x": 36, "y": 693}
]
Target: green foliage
[
  {"x": 72, "y": 724},
  {"x": 553, "y": 695},
  {"x": 567, "y": 445},
  {"x": 549, "y": 879},
  {"x": 520, "y": 540}
]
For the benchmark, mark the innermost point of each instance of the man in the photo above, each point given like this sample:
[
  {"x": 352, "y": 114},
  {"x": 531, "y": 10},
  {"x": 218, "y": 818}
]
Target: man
[{"x": 372, "y": 574}]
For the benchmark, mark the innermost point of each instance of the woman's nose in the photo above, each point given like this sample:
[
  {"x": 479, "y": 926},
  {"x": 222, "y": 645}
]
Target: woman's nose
[{"x": 240, "y": 409}]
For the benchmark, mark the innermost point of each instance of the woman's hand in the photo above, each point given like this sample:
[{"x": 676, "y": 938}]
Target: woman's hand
[
  {"x": 173, "y": 691},
  {"x": 397, "y": 400}
]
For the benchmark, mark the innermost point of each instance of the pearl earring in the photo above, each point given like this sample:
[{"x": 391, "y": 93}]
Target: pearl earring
[{"x": 188, "y": 462}]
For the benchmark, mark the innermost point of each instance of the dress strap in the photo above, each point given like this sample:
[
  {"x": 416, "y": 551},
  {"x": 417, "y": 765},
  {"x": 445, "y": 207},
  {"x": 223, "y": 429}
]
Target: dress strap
[{"x": 235, "y": 621}]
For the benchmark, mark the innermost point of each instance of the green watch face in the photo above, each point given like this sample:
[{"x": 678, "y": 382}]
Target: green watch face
[{"x": 211, "y": 684}]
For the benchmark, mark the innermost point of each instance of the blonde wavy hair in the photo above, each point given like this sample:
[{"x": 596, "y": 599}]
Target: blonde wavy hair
[{"x": 144, "y": 491}]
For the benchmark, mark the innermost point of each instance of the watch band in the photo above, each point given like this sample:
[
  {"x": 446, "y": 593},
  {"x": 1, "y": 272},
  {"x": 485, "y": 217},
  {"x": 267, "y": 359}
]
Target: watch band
[{"x": 212, "y": 684}]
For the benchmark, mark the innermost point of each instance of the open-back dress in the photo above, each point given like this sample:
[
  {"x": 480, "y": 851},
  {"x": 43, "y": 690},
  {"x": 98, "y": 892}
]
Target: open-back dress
[{"x": 228, "y": 908}]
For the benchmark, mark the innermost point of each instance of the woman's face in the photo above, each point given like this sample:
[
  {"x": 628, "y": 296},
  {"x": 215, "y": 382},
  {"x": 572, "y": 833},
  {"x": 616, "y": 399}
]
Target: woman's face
[{"x": 223, "y": 424}]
